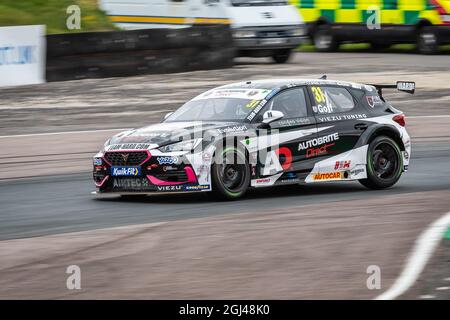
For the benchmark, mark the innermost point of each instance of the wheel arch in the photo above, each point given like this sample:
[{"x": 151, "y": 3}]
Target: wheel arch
[
  {"x": 423, "y": 23},
  {"x": 381, "y": 130}
]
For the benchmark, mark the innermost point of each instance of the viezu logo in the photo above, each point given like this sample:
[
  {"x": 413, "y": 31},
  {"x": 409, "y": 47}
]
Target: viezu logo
[{"x": 125, "y": 171}]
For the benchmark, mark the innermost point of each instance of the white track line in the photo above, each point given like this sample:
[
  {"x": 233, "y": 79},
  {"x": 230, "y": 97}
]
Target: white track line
[
  {"x": 59, "y": 133},
  {"x": 422, "y": 252}
]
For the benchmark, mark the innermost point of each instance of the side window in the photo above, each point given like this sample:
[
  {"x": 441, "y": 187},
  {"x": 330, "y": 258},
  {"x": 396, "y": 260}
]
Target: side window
[
  {"x": 291, "y": 102},
  {"x": 331, "y": 100}
]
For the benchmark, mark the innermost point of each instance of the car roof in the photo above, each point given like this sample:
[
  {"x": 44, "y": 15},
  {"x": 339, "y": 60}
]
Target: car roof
[{"x": 274, "y": 84}]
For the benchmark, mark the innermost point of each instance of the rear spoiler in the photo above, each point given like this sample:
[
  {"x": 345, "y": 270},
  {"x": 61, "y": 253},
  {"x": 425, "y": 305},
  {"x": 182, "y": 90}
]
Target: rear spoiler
[{"x": 405, "y": 86}]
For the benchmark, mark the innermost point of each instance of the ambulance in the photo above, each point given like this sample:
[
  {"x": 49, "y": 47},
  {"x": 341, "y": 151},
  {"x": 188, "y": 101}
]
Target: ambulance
[
  {"x": 379, "y": 22},
  {"x": 260, "y": 27}
]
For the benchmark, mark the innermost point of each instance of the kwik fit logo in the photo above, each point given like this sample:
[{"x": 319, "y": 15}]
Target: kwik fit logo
[{"x": 125, "y": 171}]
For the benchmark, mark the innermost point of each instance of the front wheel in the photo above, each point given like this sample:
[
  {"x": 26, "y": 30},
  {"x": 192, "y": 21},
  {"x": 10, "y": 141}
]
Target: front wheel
[
  {"x": 230, "y": 174},
  {"x": 281, "y": 56},
  {"x": 428, "y": 41},
  {"x": 384, "y": 164},
  {"x": 324, "y": 40}
]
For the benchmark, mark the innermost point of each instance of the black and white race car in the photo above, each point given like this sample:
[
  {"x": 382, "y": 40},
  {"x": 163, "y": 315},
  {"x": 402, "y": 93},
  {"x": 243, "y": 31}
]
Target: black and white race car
[{"x": 262, "y": 134}]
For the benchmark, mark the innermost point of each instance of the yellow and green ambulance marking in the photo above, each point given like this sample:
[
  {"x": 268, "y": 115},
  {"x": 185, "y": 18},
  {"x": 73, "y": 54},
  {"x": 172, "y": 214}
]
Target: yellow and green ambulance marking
[{"x": 400, "y": 12}]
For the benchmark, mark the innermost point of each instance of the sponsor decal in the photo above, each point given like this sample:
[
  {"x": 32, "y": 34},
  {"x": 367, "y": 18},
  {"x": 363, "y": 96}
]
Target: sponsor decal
[
  {"x": 257, "y": 109},
  {"x": 196, "y": 188},
  {"x": 252, "y": 104},
  {"x": 232, "y": 129},
  {"x": 129, "y": 146},
  {"x": 328, "y": 176},
  {"x": 167, "y": 160},
  {"x": 357, "y": 172},
  {"x": 284, "y": 157},
  {"x": 168, "y": 168},
  {"x": 256, "y": 94},
  {"x": 294, "y": 122},
  {"x": 125, "y": 171},
  {"x": 315, "y": 152},
  {"x": 340, "y": 165},
  {"x": 98, "y": 161},
  {"x": 373, "y": 101},
  {"x": 263, "y": 181},
  {"x": 170, "y": 188},
  {"x": 290, "y": 177},
  {"x": 342, "y": 117},
  {"x": 131, "y": 183},
  {"x": 323, "y": 109},
  {"x": 318, "y": 141}
]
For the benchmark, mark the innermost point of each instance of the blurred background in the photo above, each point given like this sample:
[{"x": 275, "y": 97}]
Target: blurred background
[{"x": 75, "y": 72}]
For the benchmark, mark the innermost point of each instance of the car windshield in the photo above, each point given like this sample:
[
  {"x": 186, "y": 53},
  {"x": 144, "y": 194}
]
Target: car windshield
[
  {"x": 221, "y": 109},
  {"x": 219, "y": 105}
]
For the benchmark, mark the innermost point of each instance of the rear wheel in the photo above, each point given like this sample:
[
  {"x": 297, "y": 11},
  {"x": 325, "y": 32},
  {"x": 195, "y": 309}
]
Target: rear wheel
[
  {"x": 384, "y": 164},
  {"x": 324, "y": 39},
  {"x": 230, "y": 174},
  {"x": 427, "y": 40},
  {"x": 282, "y": 56}
]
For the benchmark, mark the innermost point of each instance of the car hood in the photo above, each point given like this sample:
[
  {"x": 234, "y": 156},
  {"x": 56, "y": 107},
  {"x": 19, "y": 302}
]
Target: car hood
[{"x": 169, "y": 132}]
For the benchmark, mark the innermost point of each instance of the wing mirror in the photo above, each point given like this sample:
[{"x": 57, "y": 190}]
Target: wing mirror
[
  {"x": 167, "y": 115},
  {"x": 271, "y": 116}
]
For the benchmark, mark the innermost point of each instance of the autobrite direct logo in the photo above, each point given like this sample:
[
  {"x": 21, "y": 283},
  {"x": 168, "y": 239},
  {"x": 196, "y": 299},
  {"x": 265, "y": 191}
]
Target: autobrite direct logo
[{"x": 318, "y": 141}]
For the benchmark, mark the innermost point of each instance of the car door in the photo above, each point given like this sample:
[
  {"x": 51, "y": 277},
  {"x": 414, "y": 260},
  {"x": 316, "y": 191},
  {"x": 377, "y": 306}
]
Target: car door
[
  {"x": 281, "y": 154},
  {"x": 340, "y": 120}
]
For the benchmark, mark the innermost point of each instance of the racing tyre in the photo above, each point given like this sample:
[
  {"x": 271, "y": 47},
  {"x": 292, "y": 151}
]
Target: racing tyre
[
  {"x": 384, "y": 164},
  {"x": 230, "y": 173},
  {"x": 281, "y": 56},
  {"x": 378, "y": 46},
  {"x": 427, "y": 41},
  {"x": 324, "y": 39}
]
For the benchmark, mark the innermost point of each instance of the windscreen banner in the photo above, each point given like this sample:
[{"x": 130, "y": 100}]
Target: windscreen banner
[{"x": 22, "y": 55}]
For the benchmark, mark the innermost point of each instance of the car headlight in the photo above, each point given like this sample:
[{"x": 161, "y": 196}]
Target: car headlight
[
  {"x": 187, "y": 145},
  {"x": 244, "y": 34},
  {"x": 297, "y": 32}
]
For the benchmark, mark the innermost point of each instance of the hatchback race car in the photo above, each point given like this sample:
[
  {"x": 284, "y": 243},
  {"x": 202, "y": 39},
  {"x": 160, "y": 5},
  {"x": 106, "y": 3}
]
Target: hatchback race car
[{"x": 261, "y": 134}]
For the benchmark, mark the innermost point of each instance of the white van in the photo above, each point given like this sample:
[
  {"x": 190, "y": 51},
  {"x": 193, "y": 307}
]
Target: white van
[{"x": 260, "y": 27}]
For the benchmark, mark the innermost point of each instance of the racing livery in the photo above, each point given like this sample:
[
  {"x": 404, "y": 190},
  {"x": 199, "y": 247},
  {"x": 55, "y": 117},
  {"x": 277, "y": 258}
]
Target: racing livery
[{"x": 260, "y": 134}]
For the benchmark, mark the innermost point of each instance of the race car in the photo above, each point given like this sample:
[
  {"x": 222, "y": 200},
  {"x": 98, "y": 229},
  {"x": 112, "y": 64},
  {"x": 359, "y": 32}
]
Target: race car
[{"x": 261, "y": 134}]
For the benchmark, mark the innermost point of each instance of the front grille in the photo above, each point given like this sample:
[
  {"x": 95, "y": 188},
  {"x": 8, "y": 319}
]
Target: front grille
[
  {"x": 134, "y": 158},
  {"x": 273, "y": 34},
  {"x": 171, "y": 176}
]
